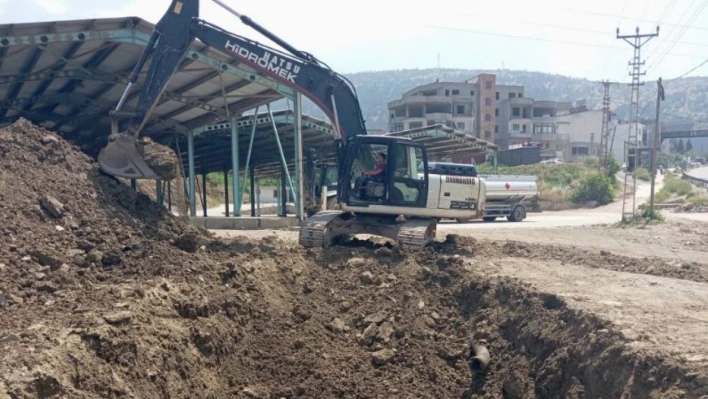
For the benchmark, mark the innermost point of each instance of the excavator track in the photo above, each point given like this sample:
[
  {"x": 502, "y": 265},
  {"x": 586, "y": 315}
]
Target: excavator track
[
  {"x": 319, "y": 230},
  {"x": 314, "y": 228},
  {"x": 417, "y": 233}
]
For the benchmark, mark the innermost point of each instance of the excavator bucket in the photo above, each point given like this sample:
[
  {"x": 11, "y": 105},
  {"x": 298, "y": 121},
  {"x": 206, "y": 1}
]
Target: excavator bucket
[{"x": 123, "y": 157}]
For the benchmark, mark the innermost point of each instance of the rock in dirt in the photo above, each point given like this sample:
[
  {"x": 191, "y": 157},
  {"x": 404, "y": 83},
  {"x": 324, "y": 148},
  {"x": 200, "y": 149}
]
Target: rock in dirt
[
  {"x": 52, "y": 205},
  {"x": 188, "y": 242},
  {"x": 337, "y": 325},
  {"x": 367, "y": 278},
  {"x": 376, "y": 318},
  {"x": 3, "y": 299},
  {"x": 383, "y": 356},
  {"x": 118, "y": 318},
  {"x": 367, "y": 337}
]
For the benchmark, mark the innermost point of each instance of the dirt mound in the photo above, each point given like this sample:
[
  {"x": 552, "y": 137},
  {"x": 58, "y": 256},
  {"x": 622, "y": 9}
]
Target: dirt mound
[
  {"x": 106, "y": 295},
  {"x": 597, "y": 259}
]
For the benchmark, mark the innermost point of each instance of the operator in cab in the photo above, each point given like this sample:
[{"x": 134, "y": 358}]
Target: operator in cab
[{"x": 375, "y": 175}]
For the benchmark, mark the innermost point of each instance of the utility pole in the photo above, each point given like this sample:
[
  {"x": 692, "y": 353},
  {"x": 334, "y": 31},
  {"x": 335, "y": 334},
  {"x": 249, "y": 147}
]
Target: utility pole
[
  {"x": 632, "y": 154},
  {"x": 657, "y": 143},
  {"x": 606, "y": 119}
]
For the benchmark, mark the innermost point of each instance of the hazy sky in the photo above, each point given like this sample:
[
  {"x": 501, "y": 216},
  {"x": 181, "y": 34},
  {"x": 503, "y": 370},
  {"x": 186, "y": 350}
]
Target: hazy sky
[{"x": 568, "y": 37}]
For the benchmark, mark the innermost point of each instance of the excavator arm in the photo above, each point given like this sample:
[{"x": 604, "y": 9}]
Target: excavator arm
[{"x": 171, "y": 40}]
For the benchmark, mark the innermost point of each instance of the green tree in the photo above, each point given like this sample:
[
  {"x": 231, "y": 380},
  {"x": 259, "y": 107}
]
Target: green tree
[
  {"x": 680, "y": 148},
  {"x": 689, "y": 146}
]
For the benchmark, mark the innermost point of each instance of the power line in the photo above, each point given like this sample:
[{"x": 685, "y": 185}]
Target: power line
[
  {"x": 690, "y": 21},
  {"x": 542, "y": 39},
  {"x": 602, "y": 32},
  {"x": 635, "y": 19}
]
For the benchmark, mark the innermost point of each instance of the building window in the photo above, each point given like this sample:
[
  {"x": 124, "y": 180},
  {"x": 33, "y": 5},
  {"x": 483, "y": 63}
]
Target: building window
[
  {"x": 487, "y": 101},
  {"x": 515, "y": 111},
  {"x": 496, "y": 128},
  {"x": 460, "y": 109},
  {"x": 414, "y": 125},
  {"x": 455, "y": 92},
  {"x": 487, "y": 134},
  {"x": 515, "y": 127},
  {"x": 496, "y": 112},
  {"x": 488, "y": 84},
  {"x": 460, "y": 125},
  {"x": 497, "y": 95},
  {"x": 393, "y": 116},
  {"x": 472, "y": 93},
  {"x": 521, "y": 95},
  {"x": 581, "y": 151},
  {"x": 487, "y": 117},
  {"x": 512, "y": 95},
  {"x": 447, "y": 92}
]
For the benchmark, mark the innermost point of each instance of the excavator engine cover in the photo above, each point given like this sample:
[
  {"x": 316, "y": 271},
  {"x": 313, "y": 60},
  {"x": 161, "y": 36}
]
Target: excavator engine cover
[{"x": 124, "y": 157}]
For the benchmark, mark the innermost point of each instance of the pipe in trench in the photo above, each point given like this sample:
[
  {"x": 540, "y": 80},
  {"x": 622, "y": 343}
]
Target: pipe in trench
[{"x": 480, "y": 358}]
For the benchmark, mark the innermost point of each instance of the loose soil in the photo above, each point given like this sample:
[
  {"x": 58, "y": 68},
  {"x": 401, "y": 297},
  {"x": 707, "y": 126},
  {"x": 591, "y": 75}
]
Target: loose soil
[{"x": 105, "y": 294}]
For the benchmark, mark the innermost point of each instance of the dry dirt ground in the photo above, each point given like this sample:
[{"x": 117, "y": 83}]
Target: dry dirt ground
[{"x": 105, "y": 295}]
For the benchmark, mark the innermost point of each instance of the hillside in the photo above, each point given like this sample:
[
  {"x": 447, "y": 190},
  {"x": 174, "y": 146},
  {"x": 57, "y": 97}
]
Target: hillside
[{"x": 685, "y": 98}]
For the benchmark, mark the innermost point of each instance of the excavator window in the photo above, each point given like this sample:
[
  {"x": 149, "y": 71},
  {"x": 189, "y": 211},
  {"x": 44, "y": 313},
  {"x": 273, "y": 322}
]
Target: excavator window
[{"x": 369, "y": 173}]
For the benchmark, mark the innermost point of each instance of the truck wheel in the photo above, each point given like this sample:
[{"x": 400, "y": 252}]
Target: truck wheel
[
  {"x": 489, "y": 218},
  {"x": 517, "y": 214}
]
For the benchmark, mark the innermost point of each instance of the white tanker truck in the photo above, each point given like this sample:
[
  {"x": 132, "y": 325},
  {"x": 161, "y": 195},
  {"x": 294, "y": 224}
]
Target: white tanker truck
[{"x": 510, "y": 196}]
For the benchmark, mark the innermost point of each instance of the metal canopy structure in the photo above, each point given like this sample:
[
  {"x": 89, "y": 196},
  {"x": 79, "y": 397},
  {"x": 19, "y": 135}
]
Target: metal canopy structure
[
  {"x": 212, "y": 143},
  {"x": 442, "y": 141},
  {"x": 67, "y": 75}
]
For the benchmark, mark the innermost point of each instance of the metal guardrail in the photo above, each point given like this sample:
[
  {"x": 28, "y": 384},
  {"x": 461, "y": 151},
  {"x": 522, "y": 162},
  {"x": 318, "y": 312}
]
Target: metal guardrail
[{"x": 695, "y": 180}]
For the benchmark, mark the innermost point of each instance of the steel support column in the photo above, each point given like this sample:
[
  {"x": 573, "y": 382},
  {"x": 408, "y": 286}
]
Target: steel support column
[
  {"x": 226, "y": 192},
  {"x": 282, "y": 154},
  {"x": 234, "y": 170},
  {"x": 204, "y": 194},
  {"x": 299, "y": 203},
  {"x": 248, "y": 167},
  {"x": 192, "y": 178},
  {"x": 253, "y": 191}
]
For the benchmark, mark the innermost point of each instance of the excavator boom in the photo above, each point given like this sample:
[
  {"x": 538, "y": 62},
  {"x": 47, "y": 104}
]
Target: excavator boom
[{"x": 170, "y": 41}]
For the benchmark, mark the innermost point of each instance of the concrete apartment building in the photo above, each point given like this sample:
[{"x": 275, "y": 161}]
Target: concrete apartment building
[
  {"x": 466, "y": 106},
  {"x": 482, "y": 108}
]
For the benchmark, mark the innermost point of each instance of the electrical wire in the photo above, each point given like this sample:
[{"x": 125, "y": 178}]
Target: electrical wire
[
  {"x": 541, "y": 39},
  {"x": 605, "y": 33},
  {"x": 641, "y": 20},
  {"x": 695, "y": 15}
]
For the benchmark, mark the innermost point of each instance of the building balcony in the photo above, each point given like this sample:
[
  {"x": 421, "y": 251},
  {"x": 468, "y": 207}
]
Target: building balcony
[
  {"x": 549, "y": 120},
  {"x": 424, "y": 100},
  {"x": 516, "y": 101},
  {"x": 544, "y": 136}
]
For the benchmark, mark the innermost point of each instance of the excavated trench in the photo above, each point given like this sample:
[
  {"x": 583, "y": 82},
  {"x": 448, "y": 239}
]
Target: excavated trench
[{"x": 105, "y": 295}]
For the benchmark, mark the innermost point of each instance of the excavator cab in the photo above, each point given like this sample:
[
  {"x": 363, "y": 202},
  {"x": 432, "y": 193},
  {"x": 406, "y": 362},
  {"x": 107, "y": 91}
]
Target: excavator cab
[{"x": 384, "y": 171}]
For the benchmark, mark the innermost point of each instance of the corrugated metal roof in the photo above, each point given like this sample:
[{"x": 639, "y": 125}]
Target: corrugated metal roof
[
  {"x": 445, "y": 142},
  {"x": 67, "y": 75}
]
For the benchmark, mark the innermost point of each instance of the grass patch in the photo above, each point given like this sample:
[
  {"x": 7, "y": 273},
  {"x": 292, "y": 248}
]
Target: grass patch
[
  {"x": 642, "y": 174},
  {"x": 642, "y": 217},
  {"x": 596, "y": 188}
]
